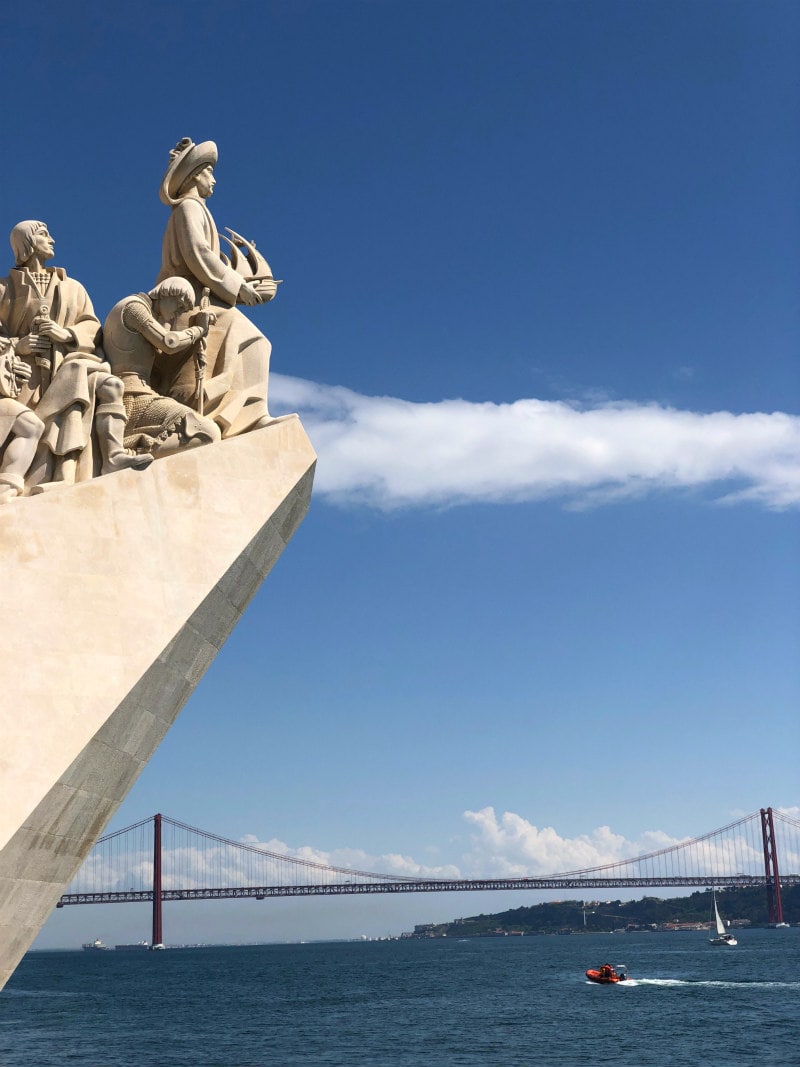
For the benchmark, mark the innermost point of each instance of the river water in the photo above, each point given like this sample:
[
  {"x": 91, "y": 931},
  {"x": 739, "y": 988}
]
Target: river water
[{"x": 498, "y": 1002}]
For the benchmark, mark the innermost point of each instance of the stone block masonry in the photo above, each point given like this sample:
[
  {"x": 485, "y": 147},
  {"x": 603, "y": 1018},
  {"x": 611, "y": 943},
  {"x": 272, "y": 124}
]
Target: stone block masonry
[{"x": 118, "y": 594}]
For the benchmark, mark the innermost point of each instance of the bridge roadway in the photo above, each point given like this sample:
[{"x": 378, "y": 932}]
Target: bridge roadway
[{"x": 474, "y": 885}]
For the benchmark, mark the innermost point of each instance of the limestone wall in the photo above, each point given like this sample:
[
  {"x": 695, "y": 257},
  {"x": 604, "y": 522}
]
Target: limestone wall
[{"x": 119, "y": 592}]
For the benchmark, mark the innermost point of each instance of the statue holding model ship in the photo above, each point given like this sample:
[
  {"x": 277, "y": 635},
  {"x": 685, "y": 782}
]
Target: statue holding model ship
[{"x": 234, "y": 379}]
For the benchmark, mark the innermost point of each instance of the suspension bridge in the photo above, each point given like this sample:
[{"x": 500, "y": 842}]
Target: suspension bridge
[{"x": 159, "y": 860}]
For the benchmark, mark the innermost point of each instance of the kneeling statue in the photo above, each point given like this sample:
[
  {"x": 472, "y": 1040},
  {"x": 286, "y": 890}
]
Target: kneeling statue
[{"x": 136, "y": 329}]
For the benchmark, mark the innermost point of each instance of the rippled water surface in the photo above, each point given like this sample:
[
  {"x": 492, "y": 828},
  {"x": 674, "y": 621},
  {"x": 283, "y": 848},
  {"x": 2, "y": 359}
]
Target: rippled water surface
[{"x": 481, "y": 1003}]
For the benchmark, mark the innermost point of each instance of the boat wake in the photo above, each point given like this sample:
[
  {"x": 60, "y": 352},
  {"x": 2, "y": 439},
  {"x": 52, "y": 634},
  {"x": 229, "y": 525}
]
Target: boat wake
[
  {"x": 700, "y": 983},
  {"x": 36, "y": 993},
  {"x": 616, "y": 985}
]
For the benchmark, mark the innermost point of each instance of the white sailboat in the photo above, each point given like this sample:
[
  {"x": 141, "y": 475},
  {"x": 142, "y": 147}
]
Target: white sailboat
[{"x": 723, "y": 937}]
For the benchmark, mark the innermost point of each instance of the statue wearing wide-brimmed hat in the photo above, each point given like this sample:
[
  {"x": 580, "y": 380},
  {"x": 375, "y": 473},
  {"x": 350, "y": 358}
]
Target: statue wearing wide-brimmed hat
[{"x": 233, "y": 390}]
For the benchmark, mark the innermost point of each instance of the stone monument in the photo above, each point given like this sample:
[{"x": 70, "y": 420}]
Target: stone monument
[{"x": 147, "y": 492}]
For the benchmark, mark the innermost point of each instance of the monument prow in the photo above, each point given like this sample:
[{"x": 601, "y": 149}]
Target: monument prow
[{"x": 119, "y": 592}]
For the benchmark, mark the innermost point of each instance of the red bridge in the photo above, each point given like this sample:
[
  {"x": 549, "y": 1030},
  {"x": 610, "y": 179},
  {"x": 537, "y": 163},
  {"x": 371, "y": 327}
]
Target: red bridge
[{"x": 160, "y": 860}]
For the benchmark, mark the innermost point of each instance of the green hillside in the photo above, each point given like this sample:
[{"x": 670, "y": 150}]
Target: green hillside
[{"x": 742, "y": 907}]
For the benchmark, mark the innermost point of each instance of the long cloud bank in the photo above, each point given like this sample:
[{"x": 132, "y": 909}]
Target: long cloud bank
[
  {"x": 497, "y": 846},
  {"x": 388, "y": 453},
  {"x": 510, "y": 846},
  {"x": 505, "y": 846}
]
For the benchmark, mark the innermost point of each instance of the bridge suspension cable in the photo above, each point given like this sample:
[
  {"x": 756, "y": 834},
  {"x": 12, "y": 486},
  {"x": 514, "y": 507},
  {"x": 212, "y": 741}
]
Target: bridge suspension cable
[{"x": 161, "y": 859}]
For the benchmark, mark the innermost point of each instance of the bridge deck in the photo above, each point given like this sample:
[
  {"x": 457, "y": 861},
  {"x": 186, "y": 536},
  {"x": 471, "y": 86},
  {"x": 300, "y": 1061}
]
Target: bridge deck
[{"x": 424, "y": 886}]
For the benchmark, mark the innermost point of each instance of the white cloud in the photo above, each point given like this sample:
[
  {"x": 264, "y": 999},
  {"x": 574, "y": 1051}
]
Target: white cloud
[
  {"x": 217, "y": 865},
  {"x": 512, "y": 847},
  {"x": 389, "y": 453},
  {"x": 357, "y": 860}
]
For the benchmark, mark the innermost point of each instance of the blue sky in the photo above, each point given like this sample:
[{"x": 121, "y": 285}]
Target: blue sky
[{"x": 541, "y": 318}]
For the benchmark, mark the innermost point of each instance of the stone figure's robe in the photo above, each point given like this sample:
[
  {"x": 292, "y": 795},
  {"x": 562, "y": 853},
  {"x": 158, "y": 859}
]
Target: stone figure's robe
[
  {"x": 67, "y": 404},
  {"x": 10, "y": 411},
  {"x": 238, "y": 354}
]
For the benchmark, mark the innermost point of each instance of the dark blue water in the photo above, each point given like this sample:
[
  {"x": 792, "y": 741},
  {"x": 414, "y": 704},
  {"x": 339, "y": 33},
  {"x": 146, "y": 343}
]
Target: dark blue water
[{"x": 482, "y": 1003}]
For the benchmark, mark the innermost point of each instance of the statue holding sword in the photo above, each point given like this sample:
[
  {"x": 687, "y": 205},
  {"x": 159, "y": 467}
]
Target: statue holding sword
[{"x": 139, "y": 328}]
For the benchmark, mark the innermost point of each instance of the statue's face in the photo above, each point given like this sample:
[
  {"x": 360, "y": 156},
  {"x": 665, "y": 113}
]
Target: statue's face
[
  {"x": 169, "y": 308},
  {"x": 43, "y": 245},
  {"x": 205, "y": 181}
]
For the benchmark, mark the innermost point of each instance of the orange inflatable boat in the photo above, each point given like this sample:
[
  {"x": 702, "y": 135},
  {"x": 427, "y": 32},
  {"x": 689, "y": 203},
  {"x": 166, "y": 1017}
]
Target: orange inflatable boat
[{"x": 606, "y": 975}]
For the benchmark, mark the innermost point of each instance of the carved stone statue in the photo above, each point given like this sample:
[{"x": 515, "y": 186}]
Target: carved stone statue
[
  {"x": 137, "y": 328},
  {"x": 235, "y": 386},
  {"x": 20, "y": 429},
  {"x": 174, "y": 368},
  {"x": 50, "y": 322}
]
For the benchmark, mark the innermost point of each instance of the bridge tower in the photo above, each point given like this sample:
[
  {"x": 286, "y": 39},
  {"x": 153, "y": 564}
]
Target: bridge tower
[
  {"x": 774, "y": 902},
  {"x": 158, "y": 935}
]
